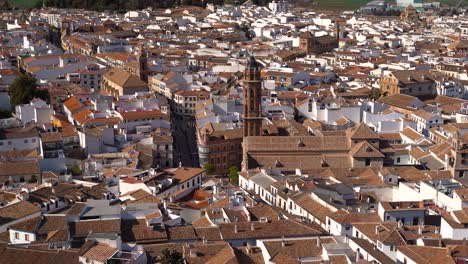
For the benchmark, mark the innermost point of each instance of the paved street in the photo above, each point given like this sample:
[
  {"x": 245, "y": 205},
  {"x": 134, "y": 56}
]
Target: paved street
[{"x": 185, "y": 142}]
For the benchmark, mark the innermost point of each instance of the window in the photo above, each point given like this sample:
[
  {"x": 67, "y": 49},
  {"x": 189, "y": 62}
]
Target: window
[
  {"x": 26, "y": 237},
  {"x": 398, "y": 160},
  {"x": 16, "y": 235},
  {"x": 25, "y": 141},
  {"x": 368, "y": 161}
]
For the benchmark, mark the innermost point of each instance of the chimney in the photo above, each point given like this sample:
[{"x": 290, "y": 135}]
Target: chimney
[
  {"x": 249, "y": 248},
  {"x": 400, "y": 224},
  {"x": 377, "y": 229},
  {"x": 165, "y": 204},
  {"x": 193, "y": 254},
  {"x": 357, "y": 256},
  {"x": 318, "y": 242},
  {"x": 420, "y": 229},
  {"x": 252, "y": 227},
  {"x": 235, "y": 228},
  {"x": 283, "y": 244},
  {"x": 436, "y": 230}
]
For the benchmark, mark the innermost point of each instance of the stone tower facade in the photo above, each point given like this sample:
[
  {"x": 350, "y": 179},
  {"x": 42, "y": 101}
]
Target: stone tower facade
[
  {"x": 252, "y": 116},
  {"x": 142, "y": 60}
]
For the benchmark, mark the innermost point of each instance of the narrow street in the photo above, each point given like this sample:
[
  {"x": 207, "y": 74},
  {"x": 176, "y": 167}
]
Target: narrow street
[{"x": 185, "y": 142}]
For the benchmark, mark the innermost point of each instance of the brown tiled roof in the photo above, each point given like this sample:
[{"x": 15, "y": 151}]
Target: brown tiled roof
[
  {"x": 292, "y": 250},
  {"x": 218, "y": 252},
  {"x": 225, "y": 255},
  {"x": 424, "y": 254},
  {"x": 344, "y": 217},
  {"x": 19, "y": 132},
  {"x": 365, "y": 150},
  {"x": 184, "y": 174},
  {"x": 262, "y": 210},
  {"x": 370, "y": 248},
  {"x": 135, "y": 115},
  {"x": 249, "y": 255},
  {"x": 181, "y": 233},
  {"x": 298, "y": 143},
  {"x": 209, "y": 233},
  {"x": 17, "y": 211},
  {"x": 28, "y": 225},
  {"x": 57, "y": 235},
  {"x": 390, "y": 136},
  {"x": 51, "y": 223},
  {"x": 409, "y": 173},
  {"x": 411, "y": 134},
  {"x": 19, "y": 168},
  {"x": 100, "y": 252},
  {"x": 423, "y": 114},
  {"x": 51, "y": 137},
  {"x": 72, "y": 104},
  {"x": 84, "y": 228},
  {"x": 313, "y": 207},
  {"x": 202, "y": 222},
  {"x": 413, "y": 76},
  {"x": 76, "y": 209},
  {"x": 137, "y": 230},
  {"x": 38, "y": 256},
  {"x": 123, "y": 78},
  {"x": 461, "y": 216},
  {"x": 266, "y": 230},
  {"x": 398, "y": 100},
  {"x": 362, "y": 131}
]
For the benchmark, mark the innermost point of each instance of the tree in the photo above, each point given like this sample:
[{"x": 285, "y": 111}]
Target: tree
[
  {"x": 33, "y": 179},
  {"x": 24, "y": 89},
  {"x": 5, "y": 114},
  {"x": 38, "y": 4},
  {"x": 75, "y": 169},
  {"x": 376, "y": 93},
  {"x": 234, "y": 174},
  {"x": 6, "y": 5},
  {"x": 209, "y": 168},
  {"x": 171, "y": 257}
]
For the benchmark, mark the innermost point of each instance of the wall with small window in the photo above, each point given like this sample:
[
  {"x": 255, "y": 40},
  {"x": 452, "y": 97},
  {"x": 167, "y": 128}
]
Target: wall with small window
[
  {"x": 21, "y": 237},
  {"x": 20, "y": 143}
]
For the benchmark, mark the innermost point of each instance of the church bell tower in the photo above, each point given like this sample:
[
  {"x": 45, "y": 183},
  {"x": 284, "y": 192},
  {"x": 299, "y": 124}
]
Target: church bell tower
[
  {"x": 252, "y": 116},
  {"x": 142, "y": 60}
]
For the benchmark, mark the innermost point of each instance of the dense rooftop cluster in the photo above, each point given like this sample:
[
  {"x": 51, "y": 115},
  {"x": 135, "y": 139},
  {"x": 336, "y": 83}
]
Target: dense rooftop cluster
[{"x": 234, "y": 134}]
